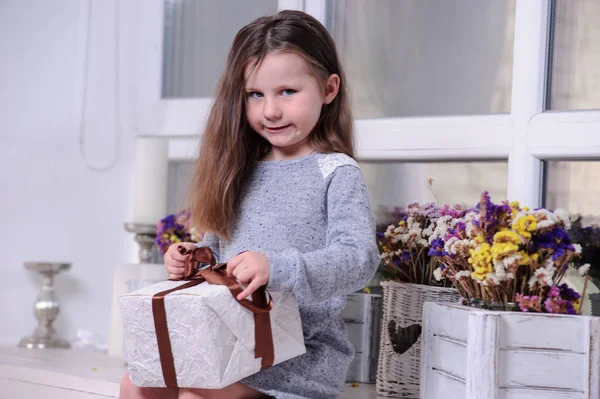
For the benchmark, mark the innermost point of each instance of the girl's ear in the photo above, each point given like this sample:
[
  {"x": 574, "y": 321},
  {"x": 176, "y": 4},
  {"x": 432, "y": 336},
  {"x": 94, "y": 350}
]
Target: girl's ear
[{"x": 332, "y": 86}]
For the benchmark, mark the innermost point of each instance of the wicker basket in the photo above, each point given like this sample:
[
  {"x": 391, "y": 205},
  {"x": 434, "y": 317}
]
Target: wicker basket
[{"x": 399, "y": 364}]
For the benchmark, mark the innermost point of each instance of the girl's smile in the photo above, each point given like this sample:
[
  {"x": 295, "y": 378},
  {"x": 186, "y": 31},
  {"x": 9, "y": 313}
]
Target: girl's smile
[
  {"x": 278, "y": 129},
  {"x": 284, "y": 102}
]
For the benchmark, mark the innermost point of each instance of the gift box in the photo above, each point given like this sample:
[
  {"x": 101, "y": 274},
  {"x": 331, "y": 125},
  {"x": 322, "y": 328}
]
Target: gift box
[{"x": 195, "y": 334}]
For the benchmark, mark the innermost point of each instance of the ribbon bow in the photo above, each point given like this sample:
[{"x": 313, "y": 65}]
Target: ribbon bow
[{"x": 213, "y": 274}]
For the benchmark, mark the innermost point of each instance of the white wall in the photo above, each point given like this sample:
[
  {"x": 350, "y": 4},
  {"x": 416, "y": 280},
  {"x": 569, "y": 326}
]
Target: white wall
[{"x": 52, "y": 206}]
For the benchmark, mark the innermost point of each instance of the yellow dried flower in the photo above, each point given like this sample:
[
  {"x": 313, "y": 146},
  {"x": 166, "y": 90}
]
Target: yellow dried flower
[
  {"x": 525, "y": 257},
  {"x": 577, "y": 305},
  {"x": 481, "y": 260},
  {"x": 505, "y": 243},
  {"x": 507, "y": 236},
  {"x": 524, "y": 225},
  {"x": 502, "y": 249}
]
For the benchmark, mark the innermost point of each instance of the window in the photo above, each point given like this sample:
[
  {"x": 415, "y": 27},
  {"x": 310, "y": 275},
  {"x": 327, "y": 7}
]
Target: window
[
  {"x": 403, "y": 59},
  {"x": 570, "y": 185},
  {"x": 197, "y": 37},
  {"x": 180, "y": 175},
  {"x": 392, "y": 185},
  {"x": 574, "y": 55},
  {"x": 425, "y": 57}
]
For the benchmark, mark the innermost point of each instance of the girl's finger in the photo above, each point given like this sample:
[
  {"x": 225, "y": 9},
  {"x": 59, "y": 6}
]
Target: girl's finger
[
  {"x": 233, "y": 263},
  {"x": 176, "y": 255},
  {"x": 175, "y": 269},
  {"x": 253, "y": 286},
  {"x": 244, "y": 275},
  {"x": 239, "y": 269}
]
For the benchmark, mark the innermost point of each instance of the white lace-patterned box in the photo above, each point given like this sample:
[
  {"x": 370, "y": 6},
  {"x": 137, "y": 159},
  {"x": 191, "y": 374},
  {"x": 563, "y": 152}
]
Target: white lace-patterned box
[{"x": 212, "y": 336}]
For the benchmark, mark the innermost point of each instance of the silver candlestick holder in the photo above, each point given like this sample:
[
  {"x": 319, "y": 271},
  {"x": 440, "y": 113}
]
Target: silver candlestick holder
[
  {"x": 46, "y": 308},
  {"x": 145, "y": 236}
]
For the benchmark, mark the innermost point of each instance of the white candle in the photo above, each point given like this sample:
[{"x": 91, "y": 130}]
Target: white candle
[{"x": 150, "y": 179}]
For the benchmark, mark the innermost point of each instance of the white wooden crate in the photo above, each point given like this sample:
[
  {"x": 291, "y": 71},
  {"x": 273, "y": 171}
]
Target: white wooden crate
[{"x": 480, "y": 354}]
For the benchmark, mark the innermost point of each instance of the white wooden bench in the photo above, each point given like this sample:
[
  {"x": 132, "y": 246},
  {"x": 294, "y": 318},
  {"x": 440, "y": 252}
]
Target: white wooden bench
[{"x": 75, "y": 374}]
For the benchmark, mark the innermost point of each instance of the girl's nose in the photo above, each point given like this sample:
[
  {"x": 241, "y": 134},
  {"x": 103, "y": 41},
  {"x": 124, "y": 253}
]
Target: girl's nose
[{"x": 272, "y": 109}]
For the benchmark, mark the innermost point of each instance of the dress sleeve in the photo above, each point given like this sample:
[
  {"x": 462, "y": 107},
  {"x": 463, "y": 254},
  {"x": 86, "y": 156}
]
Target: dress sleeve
[{"x": 350, "y": 257}]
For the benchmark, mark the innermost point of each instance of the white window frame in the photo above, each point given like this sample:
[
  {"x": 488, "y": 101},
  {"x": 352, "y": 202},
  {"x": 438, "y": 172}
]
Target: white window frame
[{"x": 526, "y": 137}]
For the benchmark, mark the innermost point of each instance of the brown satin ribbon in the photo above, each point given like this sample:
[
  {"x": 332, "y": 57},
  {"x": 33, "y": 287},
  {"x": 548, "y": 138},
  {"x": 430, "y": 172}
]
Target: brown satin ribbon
[{"x": 214, "y": 274}]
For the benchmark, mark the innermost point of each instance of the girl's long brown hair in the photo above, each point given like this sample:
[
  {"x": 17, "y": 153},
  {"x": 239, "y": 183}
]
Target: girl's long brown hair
[{"x": 229, "y": 146}]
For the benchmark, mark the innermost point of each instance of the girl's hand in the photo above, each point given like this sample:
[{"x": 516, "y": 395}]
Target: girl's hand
[
  {"x": 174, "y": 260},
  {"x": 249, "y": 267}
]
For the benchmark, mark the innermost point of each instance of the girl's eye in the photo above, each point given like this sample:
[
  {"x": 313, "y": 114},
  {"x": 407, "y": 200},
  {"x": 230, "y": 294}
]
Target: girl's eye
[
  {"x": 288, "y": 92},
  {"x": 255, "y": 94}
]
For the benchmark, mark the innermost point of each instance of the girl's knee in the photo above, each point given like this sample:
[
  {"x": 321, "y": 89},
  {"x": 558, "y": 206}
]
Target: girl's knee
[
  {"x": 191, "y": 394},
  {"x": 127, "y": 389},
  {"x": 130, "y": 391}
]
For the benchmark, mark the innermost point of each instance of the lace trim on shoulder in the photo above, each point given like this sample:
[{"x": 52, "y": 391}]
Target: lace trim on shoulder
[{"x": 330, "y": 162}]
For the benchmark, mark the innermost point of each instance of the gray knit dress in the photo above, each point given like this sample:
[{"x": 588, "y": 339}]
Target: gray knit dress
[{"x": 312, "y": 218}]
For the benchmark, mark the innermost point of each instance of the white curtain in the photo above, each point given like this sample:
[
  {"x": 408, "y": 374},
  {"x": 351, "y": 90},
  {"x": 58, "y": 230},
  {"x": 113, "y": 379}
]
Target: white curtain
[
  {"x": 575, "y": 84},
  {"x": 197, "y": 38},
  {"x": 427, "y": 58}
]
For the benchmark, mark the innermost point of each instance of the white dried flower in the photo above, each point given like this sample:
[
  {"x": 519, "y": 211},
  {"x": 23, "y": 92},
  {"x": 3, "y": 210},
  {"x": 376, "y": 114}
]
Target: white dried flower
[
  {"x": 584, "y": 269},
  {"x": 563, "y": 216},
  {"x": 577, "y": 248},
  {"x": 499, "y": 269},
  {"x": 470, "y": 228},
  {"x": 415, "y": 230},
  {"x": 389, "y": 231},
  {"x": 544, "y": 276},
  {"x": 542, "y": 224},
  {"x": 449, "y": 245},
  {"x": 532, "y": 281},
  {"x": 512, "y": 260},
  {"x": 428, "y": 231},
  {"x": 441, "y": 228},
  {"x": 462, "y": 273},
  {"x": 493, "y": 278},
  {"x": 437, "y": 274}
]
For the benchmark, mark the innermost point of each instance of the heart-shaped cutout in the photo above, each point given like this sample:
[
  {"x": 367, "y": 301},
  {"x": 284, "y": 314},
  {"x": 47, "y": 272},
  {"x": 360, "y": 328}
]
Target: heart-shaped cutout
[{"x": 403, "y": 338}]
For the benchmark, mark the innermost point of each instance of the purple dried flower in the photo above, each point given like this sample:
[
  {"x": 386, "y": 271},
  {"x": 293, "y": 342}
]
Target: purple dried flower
[
  {"x": 554, "y": 292},
  {"x": 172, "y": 229},
  {"x": 437, "y": 248},
  {"x": 568, "y": 294}
]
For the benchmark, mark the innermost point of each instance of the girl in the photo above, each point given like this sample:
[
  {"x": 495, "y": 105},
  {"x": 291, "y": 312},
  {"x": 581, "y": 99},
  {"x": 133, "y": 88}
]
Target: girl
[{"x": 276, "y": 178}]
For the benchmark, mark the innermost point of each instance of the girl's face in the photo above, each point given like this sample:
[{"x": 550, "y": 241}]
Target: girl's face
[{"x": 284, "y": 101}]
